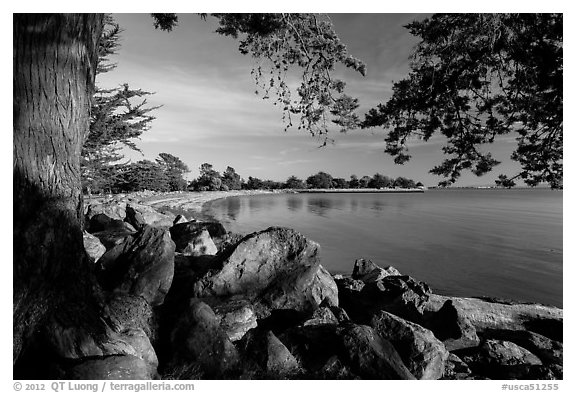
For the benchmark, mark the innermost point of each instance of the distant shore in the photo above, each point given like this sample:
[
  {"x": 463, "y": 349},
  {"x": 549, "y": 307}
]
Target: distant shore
[
  {"x": 357, "y": 190},
  {"x": 194, "y": 201}
]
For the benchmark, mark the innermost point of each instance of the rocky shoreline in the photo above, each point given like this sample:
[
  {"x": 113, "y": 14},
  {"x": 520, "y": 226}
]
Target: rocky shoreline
[{"x": 186, "y": 299}]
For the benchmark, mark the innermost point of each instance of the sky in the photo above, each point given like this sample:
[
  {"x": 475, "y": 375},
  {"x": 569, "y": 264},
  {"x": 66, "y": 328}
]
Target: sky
[{"x": 210, "y": 112}]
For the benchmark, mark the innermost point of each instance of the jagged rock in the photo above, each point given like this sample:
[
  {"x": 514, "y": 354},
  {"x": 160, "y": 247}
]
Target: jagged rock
[
  {"x": 349, "y": 286},
  {"x": 499, "y": 359},
  {"x": 181, "y": 232},
  {"x": 340, "y": 314},
  {"x": 277, "y": 267},
  {"x": 237, "y": 317},
  {"x": 94, "y": 248},
  {"x": 456, "y": 368},
  {"x": 101, "y": 222},
  {"x": 180, "y": 219},
  {"x": 367, "y": 271},
  {"x": 334, "y": 369},
  {"x": 304, "y": 290},
  {"x": 73, "y": 341},
  {"x": 486, "y": 314},
  {"x": 452, "y": 327},
  {"x": 197, "y": 337},
  {"x": 139, "y": 340},
  {"x": 76, "y": 342},
  {"x": 271, "y": 355},
  {"x": 548, "y": 350},
  {"x": 257, "y": 261},
  {"x": 371, "y": 356},
  {"x": 115, "y": 210},
  {"x": 506, "y": 353},
  {"x": 111, "y": 368},
  {"x": 126, "y": 312},
  {"x": 227, "y": 240},
  {"x": 142, "y": 215},
  {"x": 400, "y": 295},
  {"x": 423, "y": 354},
  {"x": 143, "y": 265},
  {"x": 113, "y": 237},
  {"x": 312, "y": 345},
  {"x": 196, "y": 243},
  {"x": 321, "y": 316}
]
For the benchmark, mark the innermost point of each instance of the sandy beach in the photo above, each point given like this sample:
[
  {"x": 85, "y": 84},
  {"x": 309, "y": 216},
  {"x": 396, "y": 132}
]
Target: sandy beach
[{"x": 193, "y": 202}]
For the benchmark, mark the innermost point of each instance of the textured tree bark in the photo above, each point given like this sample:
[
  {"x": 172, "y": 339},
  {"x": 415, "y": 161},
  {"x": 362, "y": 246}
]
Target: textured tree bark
[{"x": 54, "y": 67}]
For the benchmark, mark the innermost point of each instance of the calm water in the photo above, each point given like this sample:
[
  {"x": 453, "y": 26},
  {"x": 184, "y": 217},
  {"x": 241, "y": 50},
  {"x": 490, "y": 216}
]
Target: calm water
[{"x": 501, "y": 243}]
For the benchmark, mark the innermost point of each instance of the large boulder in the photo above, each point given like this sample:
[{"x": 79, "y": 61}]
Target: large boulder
[
  {"x": 548, "y": 350},
  {"x": 367, "y": 271},
  {"x": 142, "y": 265},
  {"x": 370, "y": 355},
  {"x": 142, "y": 215},
  {"x": 113, "y": 209},
  {"x": 495, "y": 314},
  {"x": 196, "y": 243},
  {"x": 270, "y": 354},
  {"x": 334, "y": 368},
  {"x": 230, "y": 239},
  {"x": 456, "y": 369},
  {"x": 111, "y": 368},
  {"x": 113, "y": 237},
  {"x": 139, "y": 340},
  {"x": 506, "y": 353},
  {"x": 423, "y": 354},
  {"x": 93, "y": 246},
  {"x": 198, "y": 338},
  {"x": 277, "y": 267},
  {"x": 101, "y": 222},
  {"x": 500, "y": 359},
  {"x": 400, "y": 295},
  {"x": 75, "y": 338},
  {"x": 303, "y": 290},
  {"x": 182, "y": 232},
  {"x": 77, "y": 341},
  {"x": 452, "y": 327},
  {"x": 312, "y": 345},
  {"x": 237, "y": 317},
  {"x": 128, "y": 312},
  {"x": 179, "y": 219},
  {"x": 322, "y": 316}
]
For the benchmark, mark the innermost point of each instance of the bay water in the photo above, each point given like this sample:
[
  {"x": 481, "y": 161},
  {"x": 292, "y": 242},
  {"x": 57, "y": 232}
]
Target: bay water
[{"x": 462, "y": 242}]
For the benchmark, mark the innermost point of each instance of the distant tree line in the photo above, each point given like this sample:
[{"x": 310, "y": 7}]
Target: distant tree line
[
  {"x": 212, "y": 180},
  {"x": 165, "y": 174}
]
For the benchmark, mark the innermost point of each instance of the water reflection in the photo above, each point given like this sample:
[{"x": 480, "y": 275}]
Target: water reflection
[
  {"x": 264, "y": 202},
  {"x": 233, "y": 207},
  {"x": 294, "y": 203},
  {"x": 319, "y": 206},
  {"x": 353, "y": 205}
]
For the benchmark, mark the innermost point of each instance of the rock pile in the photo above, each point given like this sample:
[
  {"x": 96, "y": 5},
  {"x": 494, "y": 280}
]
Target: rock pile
[{"x": 185, "y": 299}]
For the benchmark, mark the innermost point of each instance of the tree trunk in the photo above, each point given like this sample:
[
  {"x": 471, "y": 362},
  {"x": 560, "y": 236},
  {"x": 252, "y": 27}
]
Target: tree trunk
[{"x": 54, "y": 67}]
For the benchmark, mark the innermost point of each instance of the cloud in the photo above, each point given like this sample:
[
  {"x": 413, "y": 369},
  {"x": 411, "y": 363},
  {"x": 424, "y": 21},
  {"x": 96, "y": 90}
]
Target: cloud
[{"x": 294, "y": 162}]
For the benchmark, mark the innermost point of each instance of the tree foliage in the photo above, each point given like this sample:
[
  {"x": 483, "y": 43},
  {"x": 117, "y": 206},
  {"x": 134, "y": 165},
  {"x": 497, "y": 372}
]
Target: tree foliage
[
  {"x": 254, "y": 183},
  {"x": 320, "y": 180},
  {"x": 380, "y": 181},
  {"x": 116, "y": 119},
  {"x": 174, "y": 171},
  {"x": 280, "y": 42},
  {"x": 231, "y": 179},
  {"x": 294, "y": 183},
  {"x": 142, "y": 175},
  {"x": 476, "y": 77}
]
